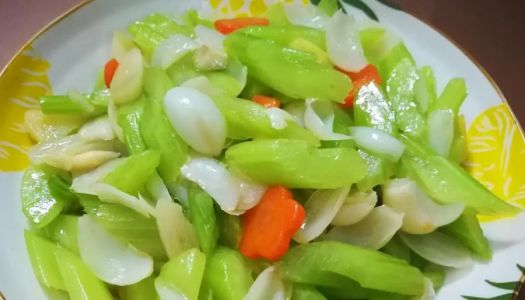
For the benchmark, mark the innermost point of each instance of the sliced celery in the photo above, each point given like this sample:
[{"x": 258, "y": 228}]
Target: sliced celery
[
  {"x": 142, "y": 290},
  {"x": 425, "y": 89},
  {"x": 38, "y": 203},
  {"x": 182, "y": 70},
  {"x": 165, "y": 25},
  {"x": 157, "y": 131},
  {"x": 80, "y": 282},
  {"x": 228, "y": 274},
  {"x": 371, "y": 269},
  {"x": 182, "y": 276},
  {"x": 63, "y": 231},
  {"x": 286, "y": 34},
  {"x": 282, "y": 70},
  {"x": 145, "y": 38},
  {"x": 42, "y": 255},
  {"x": 436, "y": 274},
  {"x": 458, "y": 149},
  {"x": 230, "y": 227},
  {"x": 394, "y": 57},
  {"x": 467, "y": 230},
  {"x": 452, "y": 96},
  {"x": 295, "y": 164},
  {"x": 370, "y": 38},
  {"x": 202, "y": 216},
  {"x": 306, "y": 292},
  {"x": 329, "y": 7},
  {"x": 447, "y": 182},
  {"x": 62, "y": 104},
  {"x": 129, "y": 119},
  {"x": 60, "y": 189},
  {"x": 127, "y": 225},
  {"x": 131, "y": 175},
  {"x": 191, "y": 18},
  {"x": 277, "y": 16}
]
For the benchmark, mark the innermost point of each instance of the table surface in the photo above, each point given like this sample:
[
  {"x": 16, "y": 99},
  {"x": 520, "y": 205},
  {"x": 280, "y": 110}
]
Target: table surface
[{"x": 491, "y": 31}]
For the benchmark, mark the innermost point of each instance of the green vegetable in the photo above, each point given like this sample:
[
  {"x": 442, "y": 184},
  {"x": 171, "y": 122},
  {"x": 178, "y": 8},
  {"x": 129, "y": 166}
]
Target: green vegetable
[
  {"x": 142, "y": 290},
  {"x": 129, "y": 119},
  {"x": 60, "y": 189},
  {"x": 284, "y": 35},
  {"x": 425, "y": 89},
  {"x": 202, "y": 216},
  {"x": 39, "y": 205},
  {"x": 281, "y": 69},
  {"x": 228, "y": 274},
  {"x": 295, "y": 164},
  {"x": 42, "y": 255},
  {"x": 191, "y": 18},
  {"x": 435, "y": 273},
  {"x": 230, "y": 230},
  {"x": 467, "y": 230},
  {"x": 397, "y": 248},
  {"x": 452, "y": 96},
  {"x": 182, "y": 70},
  {"x": 63, "y": 231},
  {"x": 306, "y": 292},
  {"x": 131, "y": 175},
  {"x": 183, "y": 275},
  {"x": 371, "y": 269},
  {"x": 447, "y": 182},
  {"x": 329, "y": 7},
  {"x": 342, "y": 122},
  {"x": 79, "y": 281},
  {"x": 61, "y": 104},
  {"x": 379, "y": 171},
  {"x": 276, "y": 15},
  {"x": 370, "y": 40},
  {"x": 156, "y": 128},
  {"x": 458, "y": 149},
  {"x": 393, "y": 58},
  {"x": 128, "y": 225}
]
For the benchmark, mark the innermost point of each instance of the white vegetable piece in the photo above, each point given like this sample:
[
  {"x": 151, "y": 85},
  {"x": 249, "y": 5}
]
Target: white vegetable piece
[
  {"x": 504, "y": 231},
  {"x": 215, "y": 179},
  {"x": 355, "y": 208},
  {"x": 321, "y": 208},
  {"x": 83, "y": 184},
  {"x": 121, "y": 44},
  {"x": 211, "y": 39},
  {"x": 321, "y": 127},
  {"x": 441, "y": 131},
  {"x": 89, "y": 160},
  {"x": 296, "y": 109},
  {"x": 305, "y": 15},
  {"x": 278, "y": 118},
  {"x": 126, "y": 84},
  {"x": 111, "y": 194},
  {"x": 172, "y": 49},
  {"x": 343, "y": 44},
  {"x": 422, "y": 214},
  {"x": 97, "y": 129},
  {"x": 439, "y": 248},
  {"x": 202, "y": 84},
  {"x": 378, "y": 142},
  {"x": 113, "y": 120},
  {"x": 373, "y": 232},
  {"x": 112, "y": 260},
  {"x": 268, "y": 286},
  {"x": 250, "y": 194},
  {"x": 196, "y": 119},
  {"x": 175, "y": 231}
]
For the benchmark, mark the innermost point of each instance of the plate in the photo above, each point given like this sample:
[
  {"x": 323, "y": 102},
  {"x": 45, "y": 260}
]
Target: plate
[{"x": 68, "y": 54}]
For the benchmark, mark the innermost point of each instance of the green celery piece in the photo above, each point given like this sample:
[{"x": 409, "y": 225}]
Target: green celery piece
[
  {"x": 165, "y": 25},
  {"x": 370, "y": 38},
  {"x": 127, "y": 225},
  {"x": 371, "y": 269},
  {"x": 447, "y": 182},
  {"x": 191, "y": 17},
  {"x": 467, "y": 230},
  {"x": 42, "y": 256},
  {"x": 306, "y": 292},
  {"x": 224, "y": 81},
  {"x": 145, "y": 38},
  {"x": 396, "y": 248},
  {"x": 183, "y": 69},
  {"x": 297, "y": 132},
  {"x": 60, "y": 189},
  {"x": 452, "y": 96},
  {"x": 63, "y": 231},
  {"x": 205, "y": 293},
  {"x": 79, "y": 281},
  {"x": 129, "y": 119},
  {"x": 425, "y": 89},
  {"x": 436, "y": 274},
  {"x": 131, "y": 175},
  {"x": 329, "y": 7},
  {"x": 287, "y": 72},
  {"x": 202, "y": 216},
  {"x": 183, "y": 274},
  {"x": 393, "y": 58},
  {"x": 230, "y": 228},
  {"x": 295, "y": 164},
  {"x": 277, "y": 16},
  {"x": 157, "y": 131},
  {"x": 142, "y": 290},
  {"x": 284, "y": 35},
  {"x": 400, "y": 91},
  {"x": 62, "y": 104},
  {"x": 458, "y": 149},
  {"x": 39, "y": 204},
  {"x": 228, "y": 274},
  {"x": 342, "y": 122}
]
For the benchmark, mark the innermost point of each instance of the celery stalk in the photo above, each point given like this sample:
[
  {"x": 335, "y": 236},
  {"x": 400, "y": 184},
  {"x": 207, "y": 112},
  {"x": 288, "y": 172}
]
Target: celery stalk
[
  {"x": 127, "y": 225},
  {"x": 129, "y": 119},
  {"x": 80, "y": 282},
  {"x": 284, "y": 35},
  {"x": 458, "y": 149},
  {"x": 306, "y": 292},
  {"x": 371, "y": 269},
  {"x": 42, "y": 255},
  {"x": 182, "y": 276},
  {"x": 131, "y": 175},
  {"x": 157, "y": 130},
  {"x": 467, "y": 230},
  {"x": 277, "y": 16},
  {"x": 228, "y": 274},
  {"x": 370, "y": 38},
  {"x": 447, "y": 182},
  {"x": 182, "y": 70},
  {"x": 394, "y": 57},
  {"x": 142, "y": 290},
  {"x": 202, "y": 216},
  {"x": 62, "y": 104},
  {"x": 230, "y": 230},
  {"x": 329, "y": 6},
  {"x": 165, "y": 25},
  {"x": 286, "y": 72},
  {"x": 436, "y": 274},
  {"x": 425, "y": 89},
  {"x": 295, "y": 164},
  {"x": 452, "y": 96},
  {"x": 63, "y": 231}
]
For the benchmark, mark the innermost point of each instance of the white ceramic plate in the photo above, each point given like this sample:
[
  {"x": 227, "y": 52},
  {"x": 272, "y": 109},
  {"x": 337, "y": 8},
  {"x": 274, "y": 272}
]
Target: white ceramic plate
[{"x": 70, "y": 52}]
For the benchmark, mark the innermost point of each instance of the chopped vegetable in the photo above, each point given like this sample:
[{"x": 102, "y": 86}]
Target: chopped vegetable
[
  {"x": 109, "y": 71},
  {"x": 268, "y": 285},
  {"x": 63, "y": 231},
  {"x": 378, "y": 142},
  {"x": 355, "y": 207},
  {"x": 226, "y": 26},
  {"x": 202, "y": 216},
  {"x": 364, "y": 77},
  {"x": 142, "y": 290},
  {"x": 343, "y": 44},
  {"x": 126, "y": 84},
  {"x": 42, "y": 255}
]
